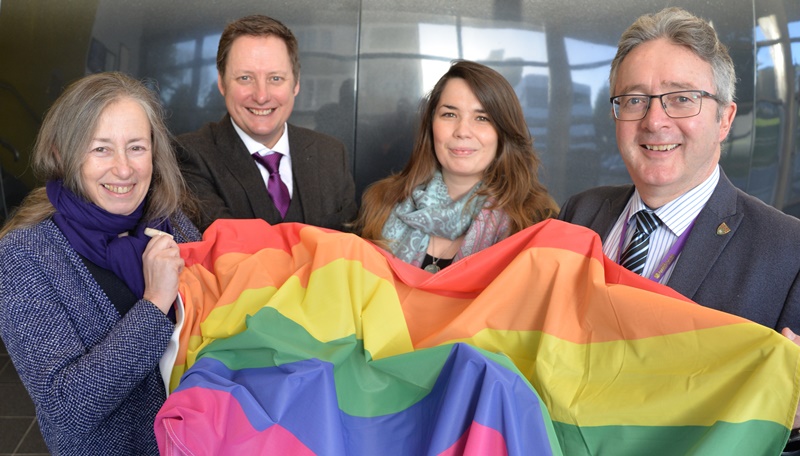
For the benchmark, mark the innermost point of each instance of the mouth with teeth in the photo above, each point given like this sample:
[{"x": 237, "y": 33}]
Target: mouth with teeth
[
  {"x": 261, "y": 112},
  {"x": 118, "y": 189},
  {"x": 660, "y": 147}
]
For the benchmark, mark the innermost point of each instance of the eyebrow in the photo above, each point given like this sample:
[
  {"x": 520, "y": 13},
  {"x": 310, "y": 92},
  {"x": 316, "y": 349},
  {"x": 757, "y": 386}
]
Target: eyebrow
[
  {"x": 638, "y": 88},
  {"x": 108, "y": 140},
  {"x": 482, "y": 111},
  {"x": 248, "y": 71}
]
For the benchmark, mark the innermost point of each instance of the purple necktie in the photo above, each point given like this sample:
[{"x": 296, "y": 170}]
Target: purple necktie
[{"x": 275, "y": 187}]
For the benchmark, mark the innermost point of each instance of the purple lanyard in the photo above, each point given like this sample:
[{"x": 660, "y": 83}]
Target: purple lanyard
[{"x": 669, "y": 257}]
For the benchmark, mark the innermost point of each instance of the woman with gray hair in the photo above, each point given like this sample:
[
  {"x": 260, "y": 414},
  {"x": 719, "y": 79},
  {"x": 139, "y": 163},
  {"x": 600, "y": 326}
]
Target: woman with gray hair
[{"x": 86, "y": 293}]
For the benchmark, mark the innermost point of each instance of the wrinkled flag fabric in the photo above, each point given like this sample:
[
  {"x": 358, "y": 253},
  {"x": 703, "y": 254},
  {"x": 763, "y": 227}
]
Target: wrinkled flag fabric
[{"x": 301, "y": 340}]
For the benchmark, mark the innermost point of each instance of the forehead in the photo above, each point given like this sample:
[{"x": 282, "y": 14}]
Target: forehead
[
  {"x": 458, "y": 93},
  {"x": 258, "y": 52},
  {"x": 123, "y": 109},
  {"x": 660, "y": 66}
]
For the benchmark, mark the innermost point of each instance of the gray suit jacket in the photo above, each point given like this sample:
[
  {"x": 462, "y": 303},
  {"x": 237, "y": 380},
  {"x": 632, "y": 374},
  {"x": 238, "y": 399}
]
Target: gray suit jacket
[
  {"x": 227, "y": 182},
  {"x": 752, "y": 271}
]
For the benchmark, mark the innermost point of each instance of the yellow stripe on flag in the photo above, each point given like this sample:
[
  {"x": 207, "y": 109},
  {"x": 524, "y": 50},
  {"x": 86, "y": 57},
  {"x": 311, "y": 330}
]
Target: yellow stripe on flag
[{"x": 637, "y": 382}]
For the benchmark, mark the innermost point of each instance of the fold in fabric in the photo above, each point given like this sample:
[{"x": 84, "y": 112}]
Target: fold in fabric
[
  {"x": 474, "y": 404},
  {"x": 300, "y": 340}
]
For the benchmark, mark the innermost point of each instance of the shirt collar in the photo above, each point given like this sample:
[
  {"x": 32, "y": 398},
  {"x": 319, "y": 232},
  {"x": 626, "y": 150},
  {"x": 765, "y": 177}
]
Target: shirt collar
[
  {"x": 679, "y": 213},
  {"x": 253, "y": 146}
]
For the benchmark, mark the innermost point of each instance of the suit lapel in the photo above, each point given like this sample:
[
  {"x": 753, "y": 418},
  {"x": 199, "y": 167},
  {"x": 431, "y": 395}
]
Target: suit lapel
[
  {"x": 305, "y": 174},
  {"x": 704, "y": 245},
  {"x": 609, "y": 213},
  {"x": 243, "y": 168}
]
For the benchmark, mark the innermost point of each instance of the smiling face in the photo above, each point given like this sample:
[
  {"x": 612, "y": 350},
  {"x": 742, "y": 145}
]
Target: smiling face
[
  {"x": 464, "y": 137},
  {"x": 118, "y": 165},
  {"x": 258, "y": 86},
  {"x": 667, "y": 157}
]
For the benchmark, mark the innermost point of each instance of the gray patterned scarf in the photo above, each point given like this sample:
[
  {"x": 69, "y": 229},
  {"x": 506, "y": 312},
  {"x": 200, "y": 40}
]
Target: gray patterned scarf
[{"x": 429, "y": 211}]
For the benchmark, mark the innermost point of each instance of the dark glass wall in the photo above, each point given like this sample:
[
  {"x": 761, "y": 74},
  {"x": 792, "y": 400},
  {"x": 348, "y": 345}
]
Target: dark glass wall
[
  {"x": 366, "y": 65},
  {"x": 774, "y": 166}
]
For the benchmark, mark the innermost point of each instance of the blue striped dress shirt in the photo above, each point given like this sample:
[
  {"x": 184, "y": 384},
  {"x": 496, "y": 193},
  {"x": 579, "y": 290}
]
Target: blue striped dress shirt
[{"x": 676, "y": 216}]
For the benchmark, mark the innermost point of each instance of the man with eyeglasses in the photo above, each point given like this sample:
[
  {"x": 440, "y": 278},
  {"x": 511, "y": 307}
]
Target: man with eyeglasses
[{"x": 683, "y": 223}]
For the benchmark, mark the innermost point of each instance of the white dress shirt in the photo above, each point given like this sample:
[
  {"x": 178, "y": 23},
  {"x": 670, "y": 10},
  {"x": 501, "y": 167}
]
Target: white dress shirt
[{"x": 281, "y": 147}]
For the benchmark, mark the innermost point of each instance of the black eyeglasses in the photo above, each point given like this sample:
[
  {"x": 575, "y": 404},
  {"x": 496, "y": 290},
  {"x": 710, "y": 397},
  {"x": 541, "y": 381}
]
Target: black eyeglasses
[{"x": 685, "y": 103}]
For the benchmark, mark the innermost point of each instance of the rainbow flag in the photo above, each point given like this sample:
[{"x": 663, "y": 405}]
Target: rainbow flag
[{"x": 300, "y": 340}]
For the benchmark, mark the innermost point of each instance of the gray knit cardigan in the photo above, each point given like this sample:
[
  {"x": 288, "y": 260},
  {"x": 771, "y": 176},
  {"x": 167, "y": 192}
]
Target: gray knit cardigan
[{"x": 93, "y": 375}]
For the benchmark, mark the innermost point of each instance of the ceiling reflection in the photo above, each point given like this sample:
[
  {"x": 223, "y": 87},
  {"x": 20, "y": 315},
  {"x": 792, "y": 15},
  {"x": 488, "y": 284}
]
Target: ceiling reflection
[{"x": 367, "y": 64}]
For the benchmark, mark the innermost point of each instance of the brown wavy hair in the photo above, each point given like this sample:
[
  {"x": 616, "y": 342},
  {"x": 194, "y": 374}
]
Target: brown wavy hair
[
  {"x": 63, "y": 141},
  {"x": 510, "y": 182},
  {"x": 257, "y": 25}
]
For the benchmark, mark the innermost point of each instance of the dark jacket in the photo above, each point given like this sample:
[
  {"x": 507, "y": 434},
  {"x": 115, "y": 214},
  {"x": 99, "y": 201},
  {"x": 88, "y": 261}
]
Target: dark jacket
[
  {"x": 227, "y": 182},
  {"x": 752, "y": 271}
]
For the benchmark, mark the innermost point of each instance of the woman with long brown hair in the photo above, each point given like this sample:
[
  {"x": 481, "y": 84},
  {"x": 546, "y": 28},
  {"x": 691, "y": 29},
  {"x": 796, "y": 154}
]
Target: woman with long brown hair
[{"x": 471, "y": 180}]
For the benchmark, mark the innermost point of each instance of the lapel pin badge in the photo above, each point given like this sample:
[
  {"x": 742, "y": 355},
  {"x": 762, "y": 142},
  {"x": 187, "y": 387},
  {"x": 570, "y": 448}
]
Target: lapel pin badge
[{"x": 723, "y": 229}]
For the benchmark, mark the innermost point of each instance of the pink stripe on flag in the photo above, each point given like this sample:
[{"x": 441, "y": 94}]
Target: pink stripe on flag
[
  {"x": 479, "y": 440},
  {"x": 221, "y": 427}
]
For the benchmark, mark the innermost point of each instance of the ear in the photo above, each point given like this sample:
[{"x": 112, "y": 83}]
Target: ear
[
  {"x": 726, "y": 120},
  {"x": 220, "y": 84},
  {"x": 56, "y": 154},
  {"x": 297, "y": 87}
]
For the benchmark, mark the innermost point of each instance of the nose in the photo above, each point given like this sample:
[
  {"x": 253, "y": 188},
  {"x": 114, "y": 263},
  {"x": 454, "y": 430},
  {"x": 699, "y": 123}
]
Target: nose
[
  {"x": 463, "y": 128},
  {"x": 261, "y": 92},
  {"x": 122, "y": 167},
  {"x": 656, "y": 114}
]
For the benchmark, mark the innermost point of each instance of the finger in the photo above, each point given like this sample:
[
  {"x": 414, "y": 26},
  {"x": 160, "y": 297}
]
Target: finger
[
  {"x": 152, "y": 232},
  {"x": 158, "y": 243}
]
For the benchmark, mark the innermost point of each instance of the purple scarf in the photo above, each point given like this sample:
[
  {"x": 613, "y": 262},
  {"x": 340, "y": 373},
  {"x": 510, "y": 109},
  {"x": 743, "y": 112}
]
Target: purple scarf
[{"x": 94, "y": 233}]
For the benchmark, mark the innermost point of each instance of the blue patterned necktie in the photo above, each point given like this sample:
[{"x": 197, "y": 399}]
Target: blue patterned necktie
[
  {"x": 635, "y": 254},
  {"x": 275, "y": 187}
]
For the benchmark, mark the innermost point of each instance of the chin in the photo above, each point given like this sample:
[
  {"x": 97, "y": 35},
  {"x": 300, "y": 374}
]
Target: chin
[{"x": 120, "y": 210}]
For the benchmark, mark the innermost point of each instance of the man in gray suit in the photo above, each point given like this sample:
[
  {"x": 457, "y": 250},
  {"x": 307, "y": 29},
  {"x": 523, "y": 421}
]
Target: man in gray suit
[
  {"x": 673, "y": 86},
  {"x": 232, "y": 166}
]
